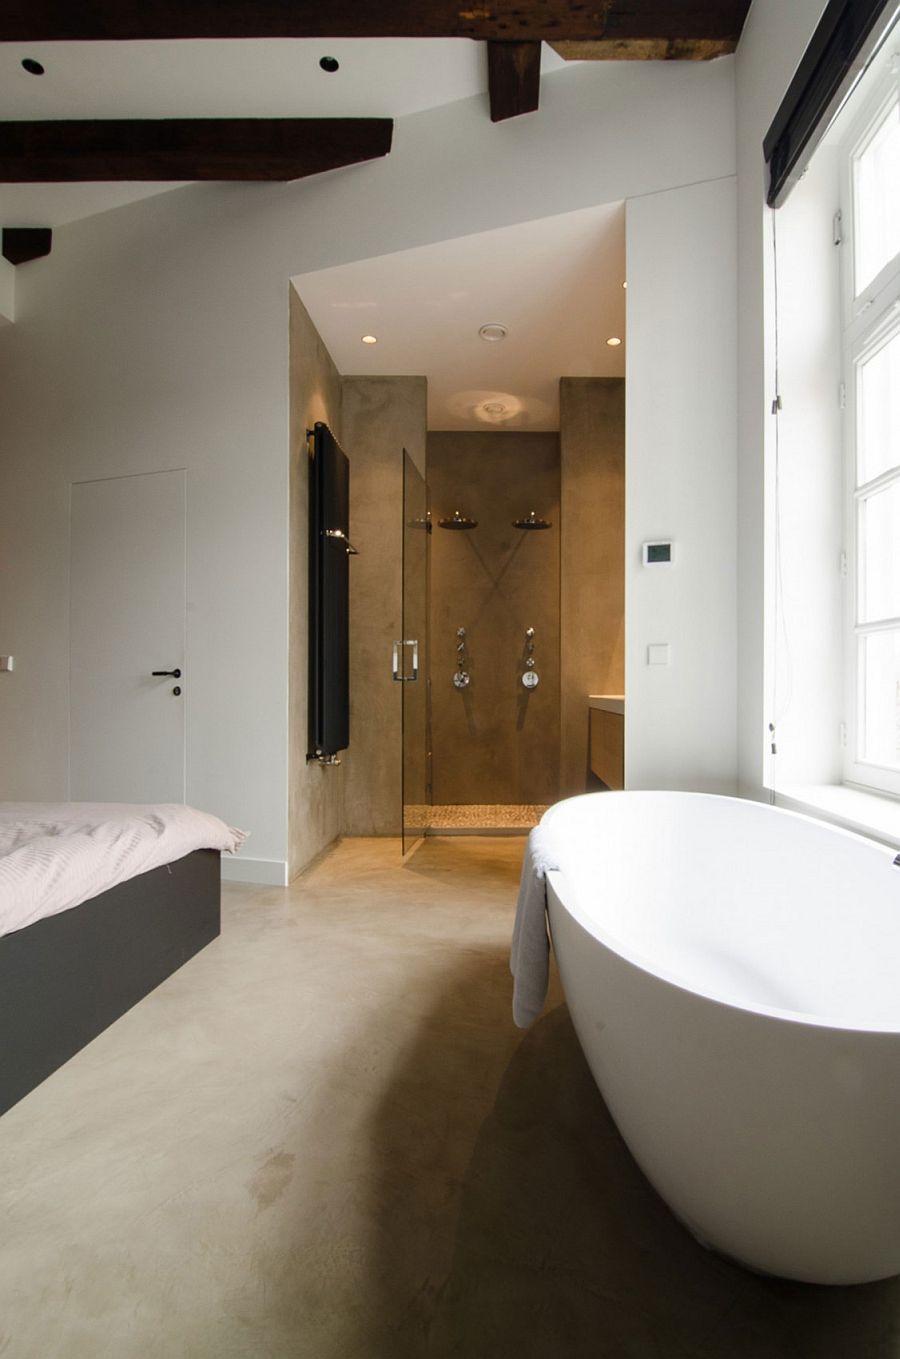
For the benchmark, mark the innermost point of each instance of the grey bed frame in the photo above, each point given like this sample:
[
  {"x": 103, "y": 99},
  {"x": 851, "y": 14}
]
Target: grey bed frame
[{"x": 65, "y": 979}]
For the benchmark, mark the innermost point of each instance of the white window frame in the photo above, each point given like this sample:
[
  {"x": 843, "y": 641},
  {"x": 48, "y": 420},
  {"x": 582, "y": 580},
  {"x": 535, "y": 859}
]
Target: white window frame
[
  {"x": 883, "y": 97},
  {"x": 871, "y": 317}
]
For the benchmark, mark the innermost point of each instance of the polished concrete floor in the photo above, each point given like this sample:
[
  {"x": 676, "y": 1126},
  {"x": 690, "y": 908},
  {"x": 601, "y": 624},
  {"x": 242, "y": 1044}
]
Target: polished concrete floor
[{"x": 324, "y": 1139}]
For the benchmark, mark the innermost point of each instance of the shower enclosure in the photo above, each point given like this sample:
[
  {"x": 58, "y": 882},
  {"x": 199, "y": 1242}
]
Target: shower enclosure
[{"x": 479, "y": 655}]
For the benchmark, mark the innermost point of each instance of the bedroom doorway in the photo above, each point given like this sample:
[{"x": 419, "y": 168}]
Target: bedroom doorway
[{"x": 127, "y": 680}]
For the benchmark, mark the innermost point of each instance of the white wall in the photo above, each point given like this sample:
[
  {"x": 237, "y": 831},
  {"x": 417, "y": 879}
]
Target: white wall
[
  {"x": 774, "y": 39},
  {"x": 680, "y": 479},
  {"x": 806, "y": 607},
  {"x": 138, "y": 348},
  {"x": 156, "y": 336}
]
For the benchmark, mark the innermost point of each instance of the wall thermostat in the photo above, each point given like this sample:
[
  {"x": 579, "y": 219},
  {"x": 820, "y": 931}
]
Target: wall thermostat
[{"x": 659, "y": 554}]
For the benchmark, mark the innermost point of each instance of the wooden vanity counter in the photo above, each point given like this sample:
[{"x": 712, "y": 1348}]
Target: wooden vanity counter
[{"x": 608, "y": 738}]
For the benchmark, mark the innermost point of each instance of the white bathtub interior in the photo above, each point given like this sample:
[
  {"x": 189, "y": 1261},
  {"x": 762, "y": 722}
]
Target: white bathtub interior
[{"x": 769, "y": 910}]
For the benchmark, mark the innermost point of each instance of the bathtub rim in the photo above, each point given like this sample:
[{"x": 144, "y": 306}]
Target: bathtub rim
[{"x": 556, "y": 880}]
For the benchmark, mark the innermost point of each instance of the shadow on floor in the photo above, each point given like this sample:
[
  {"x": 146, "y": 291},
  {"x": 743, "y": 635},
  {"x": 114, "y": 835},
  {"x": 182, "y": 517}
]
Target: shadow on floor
[{"x": 510, "y": 1220}]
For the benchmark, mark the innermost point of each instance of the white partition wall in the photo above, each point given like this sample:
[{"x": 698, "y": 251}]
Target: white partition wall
[{"x": 680, "y": 477}]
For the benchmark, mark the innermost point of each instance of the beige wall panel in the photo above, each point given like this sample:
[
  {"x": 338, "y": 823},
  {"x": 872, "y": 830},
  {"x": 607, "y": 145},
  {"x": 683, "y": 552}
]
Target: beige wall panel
[
  {"x": 381, "y": 417},
  {"x": 494, "y": 742},
  {"x": 315, "y": 793},
  {"x": 592, "y": 560}
]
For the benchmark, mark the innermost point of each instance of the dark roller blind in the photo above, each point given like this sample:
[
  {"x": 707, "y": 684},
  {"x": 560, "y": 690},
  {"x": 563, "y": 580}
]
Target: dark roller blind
[{"x": 848, "y": 32}]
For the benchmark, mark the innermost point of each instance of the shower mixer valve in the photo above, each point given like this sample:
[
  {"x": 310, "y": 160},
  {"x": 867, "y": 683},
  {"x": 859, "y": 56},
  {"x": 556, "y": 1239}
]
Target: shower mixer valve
[
  {"x": 530, "y": 679},
  {"x": 462, "y": 679}
]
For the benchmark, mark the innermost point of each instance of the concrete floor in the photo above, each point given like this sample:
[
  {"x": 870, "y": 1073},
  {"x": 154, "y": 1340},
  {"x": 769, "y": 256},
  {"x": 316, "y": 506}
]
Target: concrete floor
[{"x": 323, "y": 1139}]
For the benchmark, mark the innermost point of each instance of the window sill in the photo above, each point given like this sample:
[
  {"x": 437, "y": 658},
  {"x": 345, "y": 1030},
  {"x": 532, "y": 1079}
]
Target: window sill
[{"x": 866, "y": 813}]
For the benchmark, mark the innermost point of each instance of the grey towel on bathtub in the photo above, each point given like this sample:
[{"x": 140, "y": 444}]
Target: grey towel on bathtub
[{"x": 529, "y": 960}]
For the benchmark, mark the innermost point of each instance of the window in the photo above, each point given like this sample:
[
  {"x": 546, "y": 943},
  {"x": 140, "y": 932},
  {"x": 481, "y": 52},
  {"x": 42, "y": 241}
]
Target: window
[
  {"x": 876, "y": 196},
  {"x": 871, "y": 368}
]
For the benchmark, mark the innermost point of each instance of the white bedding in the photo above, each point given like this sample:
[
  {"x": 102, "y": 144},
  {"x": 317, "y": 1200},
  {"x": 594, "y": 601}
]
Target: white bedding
[{"x": 54, "y": 855}]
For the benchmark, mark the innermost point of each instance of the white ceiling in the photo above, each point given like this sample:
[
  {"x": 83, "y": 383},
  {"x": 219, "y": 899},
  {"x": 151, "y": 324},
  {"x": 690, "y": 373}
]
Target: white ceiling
[
  {"x": 202, "y": 78},
  {"x": 556, "y": 283}
]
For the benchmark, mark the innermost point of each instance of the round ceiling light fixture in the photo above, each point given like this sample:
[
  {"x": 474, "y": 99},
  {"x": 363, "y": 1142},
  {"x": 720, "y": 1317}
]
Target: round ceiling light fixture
[
  {"x": 329, "y": 64},
  {"x": 493, "y": 331},
  {"x": 369, "y": 339},
  {"x": 494, "y": 408},
  {"x": 32, "y": 67},
  {"x": 613, "y": 341}
]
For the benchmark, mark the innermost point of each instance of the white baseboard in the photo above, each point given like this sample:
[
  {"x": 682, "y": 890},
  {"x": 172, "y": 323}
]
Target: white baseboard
[{"x": 266, "y": 872}]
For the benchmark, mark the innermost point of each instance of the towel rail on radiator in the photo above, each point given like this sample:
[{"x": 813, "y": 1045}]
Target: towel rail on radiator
[{"x": 329, "y": 596}]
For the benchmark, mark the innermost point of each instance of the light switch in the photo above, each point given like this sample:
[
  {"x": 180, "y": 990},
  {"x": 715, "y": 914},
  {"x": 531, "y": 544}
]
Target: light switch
[
  {"x": 658, "y": 653},
  {"x": 6, "y": 662}
]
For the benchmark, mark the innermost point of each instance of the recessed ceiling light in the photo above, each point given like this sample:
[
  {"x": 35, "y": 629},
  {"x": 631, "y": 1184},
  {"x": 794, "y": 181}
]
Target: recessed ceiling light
[
  {"x": 494, "y": 408},
  {"x": 32, "y": 67},
  {"x": 370, "y": 339},
  {"x": 329, "y": 64},
  {"x": 613, "y": 341},
  {"x": 492, "y": 331}
]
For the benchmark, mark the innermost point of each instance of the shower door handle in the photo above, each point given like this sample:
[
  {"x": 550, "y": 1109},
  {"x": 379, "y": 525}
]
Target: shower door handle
[{"x": 395, "y": 661}]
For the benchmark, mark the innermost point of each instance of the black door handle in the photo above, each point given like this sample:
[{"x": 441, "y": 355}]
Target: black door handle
[{"x": 176, "y": 674}]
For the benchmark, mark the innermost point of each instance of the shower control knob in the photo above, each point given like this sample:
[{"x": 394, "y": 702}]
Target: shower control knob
[
  {"x": 531, "y": 679},
  {"x": 462, "y": 679}
]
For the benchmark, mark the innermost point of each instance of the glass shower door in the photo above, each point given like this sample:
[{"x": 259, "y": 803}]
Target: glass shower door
[{"x": 413, "y": 667}]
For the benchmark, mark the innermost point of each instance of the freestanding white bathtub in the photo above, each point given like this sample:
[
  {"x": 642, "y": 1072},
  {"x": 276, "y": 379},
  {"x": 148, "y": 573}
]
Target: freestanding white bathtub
[{"x": 733, "y": 974}]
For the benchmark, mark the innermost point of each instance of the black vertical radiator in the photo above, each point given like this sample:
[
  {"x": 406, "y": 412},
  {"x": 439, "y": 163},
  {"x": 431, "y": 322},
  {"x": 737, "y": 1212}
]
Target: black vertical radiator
[{"x": 329, "y": 596}]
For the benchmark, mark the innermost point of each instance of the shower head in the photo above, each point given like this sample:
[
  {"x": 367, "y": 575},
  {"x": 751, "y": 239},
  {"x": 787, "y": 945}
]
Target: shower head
[
  {"x": 421, "y": 521},
  {"x": 458, "y": 521},
  {"x": 531, "y": 521}
]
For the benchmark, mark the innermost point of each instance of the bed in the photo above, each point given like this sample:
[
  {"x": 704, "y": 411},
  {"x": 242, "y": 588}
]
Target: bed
[{"x": 99, "y": 903}]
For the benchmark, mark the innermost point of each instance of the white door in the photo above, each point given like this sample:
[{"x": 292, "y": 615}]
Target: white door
[{"x": 126, "y": 725}]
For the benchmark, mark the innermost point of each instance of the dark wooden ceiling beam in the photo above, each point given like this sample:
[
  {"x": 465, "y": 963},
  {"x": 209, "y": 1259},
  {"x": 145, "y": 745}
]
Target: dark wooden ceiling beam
[
  {"x": 187, "y": 148},
  {"x": 646, "y": 49},
  {"x": 514, "y": 78},
  {"x": 21, "y": 244},
  {"x": 502, "y": 20}
]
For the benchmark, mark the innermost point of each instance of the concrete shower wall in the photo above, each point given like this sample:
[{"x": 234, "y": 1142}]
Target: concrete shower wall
[
  {"x": 592, "y": 573},
  {"x": 495, "y": 741},
  {"x": 315, "y": 792}
]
